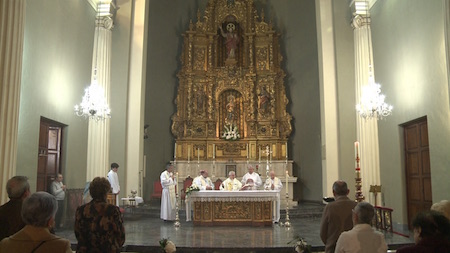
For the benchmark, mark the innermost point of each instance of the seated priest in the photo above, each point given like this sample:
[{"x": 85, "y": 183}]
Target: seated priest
[
  {"x": 231, "y": 183},
  {"x": 255, "y": 179},
  {"x": 250, "y": 185},
  {"x": 273, "y": 182},
  {"x": 203, "y": 181}
]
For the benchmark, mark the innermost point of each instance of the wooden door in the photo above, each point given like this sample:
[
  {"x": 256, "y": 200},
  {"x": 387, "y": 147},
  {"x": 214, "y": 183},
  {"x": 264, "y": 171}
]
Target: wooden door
[
  {"x": 49, "y": 159},
  {"x": 418, "y": 173}
]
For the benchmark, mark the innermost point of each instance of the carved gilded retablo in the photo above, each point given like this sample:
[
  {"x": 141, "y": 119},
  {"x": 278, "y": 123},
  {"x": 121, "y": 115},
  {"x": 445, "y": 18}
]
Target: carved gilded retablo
[{"x": 231, "y": 100}]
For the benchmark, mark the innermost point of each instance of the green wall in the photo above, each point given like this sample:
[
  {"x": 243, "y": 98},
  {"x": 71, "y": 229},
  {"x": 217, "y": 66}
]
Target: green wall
[
  {"x": 411, "y": 65},
  {"x": 56, "y": 69}
]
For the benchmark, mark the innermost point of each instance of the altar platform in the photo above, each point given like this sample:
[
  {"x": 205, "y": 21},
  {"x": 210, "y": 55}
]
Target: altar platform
[{"x": 144, "y": 229}]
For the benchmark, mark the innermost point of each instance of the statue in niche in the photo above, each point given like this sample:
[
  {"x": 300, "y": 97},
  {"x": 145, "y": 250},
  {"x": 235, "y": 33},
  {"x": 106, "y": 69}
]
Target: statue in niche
[
  {"x": 200, "y": 97},
  {"x": 231, "y": 39},
  {"x": 264, "y": 100},
  {"x": 230, "y": 109}
]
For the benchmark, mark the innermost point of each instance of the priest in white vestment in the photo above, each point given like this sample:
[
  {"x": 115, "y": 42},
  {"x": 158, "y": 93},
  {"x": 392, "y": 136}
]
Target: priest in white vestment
[
  {"x": 231, "y": 183},
  {"x": 113, "y": 179},
  {"x": 203, "y": 181},
  {"x": 273, "y": 183},
  {"x": 255, "y": 178},
  {"x": 168, "y": 196}
]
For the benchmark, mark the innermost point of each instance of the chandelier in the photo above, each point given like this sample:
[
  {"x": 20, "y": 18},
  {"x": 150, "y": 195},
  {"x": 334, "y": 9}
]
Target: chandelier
[
  {"x": 93, "y": 104},
  {"x": 372, "y": 103}
]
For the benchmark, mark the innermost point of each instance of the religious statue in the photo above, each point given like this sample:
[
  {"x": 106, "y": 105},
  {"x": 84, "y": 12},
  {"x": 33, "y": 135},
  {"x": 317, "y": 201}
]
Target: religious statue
[
  {"x": 231, "y": 39},
  {"x": 264, "y": 99},
  {"x": 230, "y": 109}
]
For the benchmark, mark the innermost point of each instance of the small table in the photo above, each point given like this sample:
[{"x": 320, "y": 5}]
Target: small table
[{"x": 132, "y": 202}]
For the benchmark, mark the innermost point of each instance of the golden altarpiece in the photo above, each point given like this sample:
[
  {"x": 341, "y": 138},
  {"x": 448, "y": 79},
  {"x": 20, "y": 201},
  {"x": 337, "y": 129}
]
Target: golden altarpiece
[{"x": 231, "y": 100}]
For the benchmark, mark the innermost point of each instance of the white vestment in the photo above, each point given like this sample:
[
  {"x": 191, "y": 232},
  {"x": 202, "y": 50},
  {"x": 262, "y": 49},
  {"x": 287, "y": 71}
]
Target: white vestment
[
  {"x": 202, "y": 182},
  {"x": 277, "y": 185},
  {"x": 168, "y": 197},
  {"x": 255, "y": 177},
  {"x": 113, "y": 179},
  {"x": 230, "y": 185}
]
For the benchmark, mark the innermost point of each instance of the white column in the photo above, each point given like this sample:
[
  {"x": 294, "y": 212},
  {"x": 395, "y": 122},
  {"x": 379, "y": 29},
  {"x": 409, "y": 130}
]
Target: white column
[
  {"x": 367, "y": 129},
  {"x": 11, "y": 47},
  {"x": 98, "y": 135},
  {"x": 328, "y": 95},
  {"x": 136, "y": 97}
]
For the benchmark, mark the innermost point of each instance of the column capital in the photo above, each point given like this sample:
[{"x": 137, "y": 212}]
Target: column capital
[
  {"x": 359, "y": 21},
  {"x": 104, "y": 22}
]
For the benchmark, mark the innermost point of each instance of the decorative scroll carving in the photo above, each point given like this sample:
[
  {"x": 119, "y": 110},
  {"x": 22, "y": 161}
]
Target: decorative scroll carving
[{"x": 240, "y": 84}]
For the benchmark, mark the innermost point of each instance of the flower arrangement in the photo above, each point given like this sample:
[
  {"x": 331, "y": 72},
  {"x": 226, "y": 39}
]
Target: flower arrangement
[
  {"x": 301, "y": 246},
  {"x": 167, "y": 246},
  {"x": 192, "y": 188},
  {"x": 231, "y": 132}
]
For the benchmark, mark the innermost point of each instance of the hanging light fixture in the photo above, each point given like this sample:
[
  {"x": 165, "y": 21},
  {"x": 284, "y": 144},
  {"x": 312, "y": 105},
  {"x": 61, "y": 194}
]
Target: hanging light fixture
[
  {"x": 93, "y": 104},
  {"x": 372, "y": 103}
]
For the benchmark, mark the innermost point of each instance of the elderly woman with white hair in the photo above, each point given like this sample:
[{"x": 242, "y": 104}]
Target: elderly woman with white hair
[{"x": 38, "y": 213}]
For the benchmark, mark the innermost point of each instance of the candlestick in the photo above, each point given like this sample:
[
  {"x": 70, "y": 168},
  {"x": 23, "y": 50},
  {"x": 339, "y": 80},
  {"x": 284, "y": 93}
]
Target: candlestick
[
  {"x": 287, "y": 182},
  {"x": 356, "y": 155}
]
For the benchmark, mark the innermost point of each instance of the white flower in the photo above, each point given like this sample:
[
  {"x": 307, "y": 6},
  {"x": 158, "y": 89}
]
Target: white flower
[{"x": 170, "y": 247}]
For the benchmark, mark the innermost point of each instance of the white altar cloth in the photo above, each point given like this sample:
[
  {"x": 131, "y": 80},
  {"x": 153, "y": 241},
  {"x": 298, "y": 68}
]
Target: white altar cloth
[{"x": 215, "y": 195}]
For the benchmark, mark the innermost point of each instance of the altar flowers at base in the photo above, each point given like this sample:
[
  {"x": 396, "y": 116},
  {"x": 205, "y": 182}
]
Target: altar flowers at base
[
  {"x": 231, "y": 183},
  {"x": 167, "y": 246}
]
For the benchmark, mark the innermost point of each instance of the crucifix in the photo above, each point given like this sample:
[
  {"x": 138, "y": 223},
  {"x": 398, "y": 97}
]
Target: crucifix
[{"x": 268, "y": 154}]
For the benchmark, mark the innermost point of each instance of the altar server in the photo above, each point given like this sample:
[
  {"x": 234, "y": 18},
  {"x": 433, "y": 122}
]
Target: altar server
[
  {"x": 251, "y": 174},
  {"x": 203, "y": 181},
  {"x": 274, "y": 183},
  {"x": 113, "y": 179},
  {"x": 231, "y": 183},
  {"x": 168, "y": 196}
]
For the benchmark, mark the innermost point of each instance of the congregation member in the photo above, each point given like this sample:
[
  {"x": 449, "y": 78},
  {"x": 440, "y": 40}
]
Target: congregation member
[
  {"x": 99, "y": 225},
  {"x": 38, "y": 213},
  {"x": 203, "y": 182},
  {"x": 168, "y": 196},
  {"x": 58, "y": 189},
  {"x": 337, "y": 216},
  {"x": 443, "y": 207},
  {"x": 251, "y": 178},
  {"x": 18, "y": 189},
  {"x": 231, "y": 183},
  {"x": 113, "y": 179},
  {"x": 273, "y": 183},
  {"x": 362, "y": 237},
  {"x": 431, "y": 234}
]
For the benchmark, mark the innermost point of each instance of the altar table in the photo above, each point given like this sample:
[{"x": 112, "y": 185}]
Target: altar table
[{"x": 250, "y": 208}]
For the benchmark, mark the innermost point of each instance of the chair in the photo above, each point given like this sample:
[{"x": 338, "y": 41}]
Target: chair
[
  {"x": 111, "y": 198},
  {"x": 157, "y": 190},
  {"x": 187, "y": 182},
  {"x": 217, "y": 184}
]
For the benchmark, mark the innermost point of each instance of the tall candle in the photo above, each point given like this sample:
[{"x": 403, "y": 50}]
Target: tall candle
[
  {"x": 259, "y": 161},
  {"x": 286, "y": 151},
  {"x": 177, "y": 182},
  {"x": 247, "y": 151},
  {"x": 214, "y": 151},
  {"x": 175, "y": 152},
  {"x": 287, "y": 183},
  {"x": 198, "y": 155},
  {"x": 189, "y": 153}
]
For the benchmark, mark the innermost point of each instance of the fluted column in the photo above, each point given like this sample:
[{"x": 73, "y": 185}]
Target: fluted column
[
  {"x": 99, "y": 131},
  {"x": 11, "y": 47},
  {"x": 367, "y": 129}
]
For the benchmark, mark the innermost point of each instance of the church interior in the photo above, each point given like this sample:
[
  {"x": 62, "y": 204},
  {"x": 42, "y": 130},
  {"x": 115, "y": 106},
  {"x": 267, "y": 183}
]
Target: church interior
[{"x": 219, "y": 85}]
